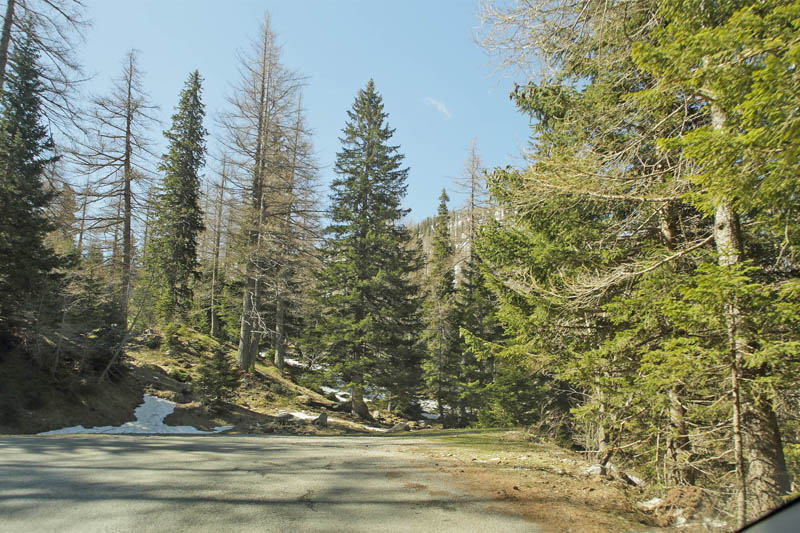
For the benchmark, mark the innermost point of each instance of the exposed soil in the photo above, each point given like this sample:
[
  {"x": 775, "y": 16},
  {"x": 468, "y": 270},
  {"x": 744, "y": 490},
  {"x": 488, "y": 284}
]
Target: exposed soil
[{"x": 546, "y": 484}]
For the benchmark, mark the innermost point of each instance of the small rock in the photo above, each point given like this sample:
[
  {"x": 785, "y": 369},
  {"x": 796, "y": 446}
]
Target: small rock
[
  {"x": 303, "y": 399},
  {"x": 400, "y": 426},
  {"x": 376, "y": 414},
  {"x": 285, "y": 417}
]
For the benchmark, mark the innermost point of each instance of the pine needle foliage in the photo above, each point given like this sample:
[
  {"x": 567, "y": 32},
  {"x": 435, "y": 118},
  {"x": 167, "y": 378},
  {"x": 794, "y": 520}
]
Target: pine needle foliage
[
  {"x": 218, "y": 378},
  {"x": 179, "y": 218},
  {"x": 369, "y": 321},
  {"x": 26, "y": 149}
]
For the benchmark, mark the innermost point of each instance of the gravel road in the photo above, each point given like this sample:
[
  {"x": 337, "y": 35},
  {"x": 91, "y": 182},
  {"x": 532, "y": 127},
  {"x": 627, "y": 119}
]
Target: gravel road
[{"x": 230, "y": 483}]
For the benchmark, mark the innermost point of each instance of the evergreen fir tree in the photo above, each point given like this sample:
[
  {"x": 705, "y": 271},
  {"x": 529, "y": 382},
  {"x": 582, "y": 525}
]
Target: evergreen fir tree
[
  {"x": 218, "y": 378},
  {"x": 26, "y": 148},
  {"x": 179, "y": 218},
  {"x": 476, "y": 319},
  {"x": 368, "y": 305},
  {"x": 441, "y": 368}
]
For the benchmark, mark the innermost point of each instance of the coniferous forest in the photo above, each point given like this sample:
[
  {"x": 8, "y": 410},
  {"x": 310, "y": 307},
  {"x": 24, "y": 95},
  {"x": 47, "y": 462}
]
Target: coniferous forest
[{"x": 632, "y": 290}]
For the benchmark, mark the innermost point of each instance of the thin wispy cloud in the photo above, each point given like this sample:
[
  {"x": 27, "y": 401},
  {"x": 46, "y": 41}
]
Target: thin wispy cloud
[{"x": 440, "y": 106}]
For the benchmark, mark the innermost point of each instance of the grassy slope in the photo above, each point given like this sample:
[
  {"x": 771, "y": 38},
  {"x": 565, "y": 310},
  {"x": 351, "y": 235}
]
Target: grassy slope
[{"x": 32, "y": 400}]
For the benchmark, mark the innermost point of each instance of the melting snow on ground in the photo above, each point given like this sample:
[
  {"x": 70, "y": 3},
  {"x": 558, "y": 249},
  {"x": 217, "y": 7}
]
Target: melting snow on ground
[
  {"x": 298, "y": 364},
  {"x": 298, "y": 414},
  {"x": 341, "y": 395},
  {"x": 428, "y": 409},
  {"x": 150, "y": 417}
]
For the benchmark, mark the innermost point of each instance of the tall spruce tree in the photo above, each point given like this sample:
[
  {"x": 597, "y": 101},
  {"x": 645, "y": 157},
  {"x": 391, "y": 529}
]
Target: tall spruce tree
[
  {"x": 26, "y": 148},
  {"x": 179, "y": 219},
  {"x": 368, "y": 305},
  {"x": 441, "y": 367}
]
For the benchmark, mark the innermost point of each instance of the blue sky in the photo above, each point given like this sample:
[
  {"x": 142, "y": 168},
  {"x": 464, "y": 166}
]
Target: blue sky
[{"x": 435, "y": 80}]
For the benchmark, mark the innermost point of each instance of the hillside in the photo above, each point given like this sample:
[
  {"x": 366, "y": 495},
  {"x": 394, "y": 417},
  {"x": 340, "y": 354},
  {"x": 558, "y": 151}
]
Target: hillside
[{"x": 34, "y": 401}]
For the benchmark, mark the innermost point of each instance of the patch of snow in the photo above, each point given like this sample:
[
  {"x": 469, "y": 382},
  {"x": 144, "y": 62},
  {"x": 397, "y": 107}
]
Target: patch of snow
[
  {"x": 341, "y": 395},
  {"x": 150, "y": 417},
  {"x": 713, "y": 523},
  {"x": 649, "y": 505},
  {"x": 301, "y": 416},
  {"x": 371, "y": 428},
  {"x": 288, "y": 361},
  {"x": 639, "y": 482},
  {"x": 429, "y": 408},
  {"x": 428, "y": 405}
]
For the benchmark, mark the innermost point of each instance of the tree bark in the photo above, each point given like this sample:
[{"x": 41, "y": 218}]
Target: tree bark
[
  {"x": 83, "y": 217},
  {"x": 5, "y": 40},
  {"x": 767, "y": 476},
  {"x": 359, "y": 407},
  {"x": 127, "y": 246},
  {"x": 679, "y": 450},
  {"x": 217, "y": 238},
  {"x": 758, "y": 450},
  {"x": 243, "y": 360},
  {"x": 245, "y": 356},
  {"x": 280, "y": 325}
]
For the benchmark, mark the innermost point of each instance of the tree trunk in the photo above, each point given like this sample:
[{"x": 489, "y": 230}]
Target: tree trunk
[
  {"x": 760, "y": 464},
  {"x": 217, "y": 237},
  {"x": 280, "y": 324},
  {"x": 127, "y": 246},
  {"x": 767, "y": 476},
  {"x": 83, "y": 218},
  {"x": 245, "y": 356},
  {"x": 679, "y": 450},
  {"x": 5, "y": 40},
  {"x": 243, "y": 360},
  {"x": 359, "y": 407}
]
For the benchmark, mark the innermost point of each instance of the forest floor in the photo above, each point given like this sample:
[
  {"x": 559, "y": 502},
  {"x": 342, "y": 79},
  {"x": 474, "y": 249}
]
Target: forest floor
[
  {"x": 553, "y": 487},
  {"x": 547, "y": 484}
]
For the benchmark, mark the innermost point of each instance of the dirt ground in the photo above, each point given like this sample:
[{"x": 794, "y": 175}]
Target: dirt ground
[{"x": 546, "y": 484}]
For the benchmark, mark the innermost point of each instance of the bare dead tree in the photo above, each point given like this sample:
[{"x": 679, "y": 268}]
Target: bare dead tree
[
  {"x": 258, "y": 124},
  {"x": 58, "y": 28},
  {"x": 116, "y": 155}
]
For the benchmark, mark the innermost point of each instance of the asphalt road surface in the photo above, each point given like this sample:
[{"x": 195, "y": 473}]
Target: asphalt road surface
[{"x": 227, "y": 483}]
